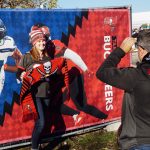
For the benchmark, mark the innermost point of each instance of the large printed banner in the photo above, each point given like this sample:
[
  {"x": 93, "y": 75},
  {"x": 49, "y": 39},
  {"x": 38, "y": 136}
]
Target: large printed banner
[{"x": 93, "y": 34}]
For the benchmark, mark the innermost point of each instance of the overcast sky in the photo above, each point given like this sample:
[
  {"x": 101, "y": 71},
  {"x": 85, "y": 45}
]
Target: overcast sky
[{"x": 137, "y": 5}]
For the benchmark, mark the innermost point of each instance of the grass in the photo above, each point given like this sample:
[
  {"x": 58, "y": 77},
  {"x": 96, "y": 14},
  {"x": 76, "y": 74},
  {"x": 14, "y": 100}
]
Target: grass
[{"x": 97, "y": 140}]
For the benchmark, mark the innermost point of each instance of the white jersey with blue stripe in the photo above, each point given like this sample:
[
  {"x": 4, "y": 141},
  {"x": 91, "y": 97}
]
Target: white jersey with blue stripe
[{"x": 7, "y": 47}]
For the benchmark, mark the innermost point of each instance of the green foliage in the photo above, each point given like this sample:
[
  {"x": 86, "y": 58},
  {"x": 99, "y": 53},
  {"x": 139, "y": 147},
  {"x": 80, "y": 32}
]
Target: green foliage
[
  {"x": 99, "y": 140},
  {"x": 53, "y": 4},
  {"x": 27, "y": 3},
  {"x": 145, "y": 26}
]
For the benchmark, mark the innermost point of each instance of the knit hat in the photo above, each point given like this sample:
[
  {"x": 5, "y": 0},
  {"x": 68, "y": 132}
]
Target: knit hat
[
  {"x": 43, "y": 28},
  {"x": 36, "y": 35}
]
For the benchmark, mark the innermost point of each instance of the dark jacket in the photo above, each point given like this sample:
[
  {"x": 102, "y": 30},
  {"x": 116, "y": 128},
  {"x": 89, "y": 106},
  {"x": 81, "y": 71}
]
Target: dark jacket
[
  {"x": 136, "y": 102},
  {"x": 43, "y": 87}
]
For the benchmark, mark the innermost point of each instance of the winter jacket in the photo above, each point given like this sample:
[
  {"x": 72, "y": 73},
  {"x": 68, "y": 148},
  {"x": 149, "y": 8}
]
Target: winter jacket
[{"x": 136, "y": 101}]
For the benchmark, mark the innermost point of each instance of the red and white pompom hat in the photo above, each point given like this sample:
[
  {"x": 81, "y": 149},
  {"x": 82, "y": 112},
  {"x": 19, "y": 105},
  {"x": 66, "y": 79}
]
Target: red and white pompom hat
[{"x": 36, "y": 35}]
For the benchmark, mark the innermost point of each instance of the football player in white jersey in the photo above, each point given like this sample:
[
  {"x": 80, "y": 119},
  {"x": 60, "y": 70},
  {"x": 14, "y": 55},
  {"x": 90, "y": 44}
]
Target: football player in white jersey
[{"x": 7, "y": 48}]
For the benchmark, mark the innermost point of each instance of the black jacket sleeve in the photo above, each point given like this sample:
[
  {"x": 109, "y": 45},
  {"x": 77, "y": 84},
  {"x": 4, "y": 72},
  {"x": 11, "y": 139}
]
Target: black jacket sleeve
[
  {"x": 109, "y": 73},
  {"x": 21, "y": 67}
]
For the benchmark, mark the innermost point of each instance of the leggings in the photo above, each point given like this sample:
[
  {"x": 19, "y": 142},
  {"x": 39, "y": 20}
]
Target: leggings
[{"x": 41, "y": 104}]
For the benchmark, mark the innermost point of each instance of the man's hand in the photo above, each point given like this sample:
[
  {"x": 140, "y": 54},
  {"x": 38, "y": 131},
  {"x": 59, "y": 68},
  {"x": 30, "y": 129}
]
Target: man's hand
[
  {"x": 22, "y": 75},
  {"x": 89, "y": 73},
  {"x": 127, "y": 44},
  {"x": 17, "y": 55}
]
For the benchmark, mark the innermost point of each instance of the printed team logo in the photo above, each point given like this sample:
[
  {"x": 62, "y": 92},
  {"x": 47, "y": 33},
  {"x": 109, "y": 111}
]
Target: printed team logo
[
  {"x": 47, "y": 67},
  {"x": 110, "y": 24},
  {"x": 40, "y": 71}
]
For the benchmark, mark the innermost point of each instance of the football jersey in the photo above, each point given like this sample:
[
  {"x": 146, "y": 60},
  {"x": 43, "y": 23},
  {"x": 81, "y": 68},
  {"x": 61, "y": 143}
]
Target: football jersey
[{"x": 7, "y": 47}]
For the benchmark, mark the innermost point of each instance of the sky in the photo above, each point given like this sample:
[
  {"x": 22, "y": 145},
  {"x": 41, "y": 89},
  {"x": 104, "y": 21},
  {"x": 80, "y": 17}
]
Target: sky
[{"x": 136, "y": 5}]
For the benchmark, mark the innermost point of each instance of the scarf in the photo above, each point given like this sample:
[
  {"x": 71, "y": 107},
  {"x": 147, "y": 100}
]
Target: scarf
[{"x": 31, "y": 78}]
